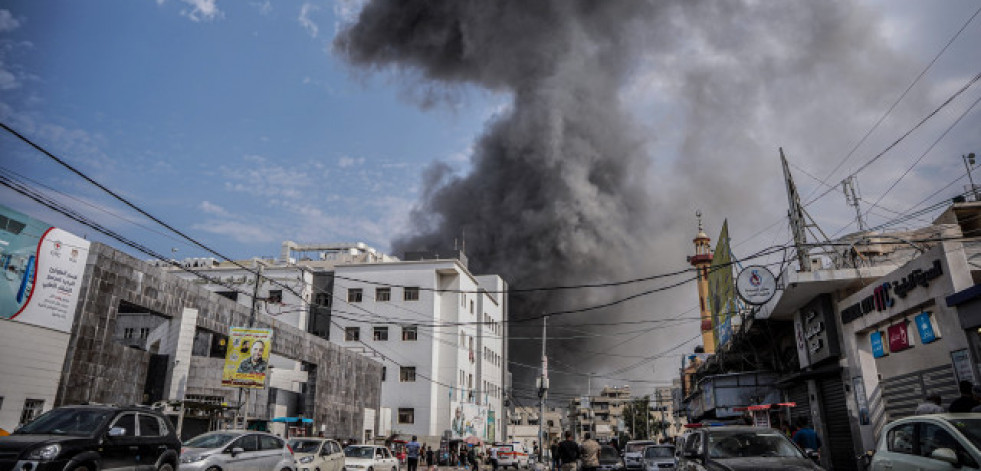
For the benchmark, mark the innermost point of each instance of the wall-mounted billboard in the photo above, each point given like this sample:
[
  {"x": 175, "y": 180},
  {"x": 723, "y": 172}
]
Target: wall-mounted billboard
[
  {"x": 469, "y": 420},
  {"x": 247, "y": 358},
  {"x": 722, "y": 289},
  {"x": 42, "y": 271}
]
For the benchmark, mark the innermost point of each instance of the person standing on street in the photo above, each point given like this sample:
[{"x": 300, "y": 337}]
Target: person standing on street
[
  {"x": 590, "y": 453},
  {"x": 430, "y": 457},
  {"x": 555, "y": 455},
  {"x": 568, "y": 453},
  {"x": 412, "y": 454},
  {"x": 805, "y": 436},
  {"x": 930, "y": 406},
  {"x": 967, "y": 401}
]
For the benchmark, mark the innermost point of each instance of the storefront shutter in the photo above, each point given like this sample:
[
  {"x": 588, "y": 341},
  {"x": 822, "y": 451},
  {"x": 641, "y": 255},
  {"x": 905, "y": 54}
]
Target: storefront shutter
[{"x": 836, "y": 425}]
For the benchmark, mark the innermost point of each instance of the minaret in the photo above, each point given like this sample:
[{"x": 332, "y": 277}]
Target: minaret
[{"x": 702, "y": 260}]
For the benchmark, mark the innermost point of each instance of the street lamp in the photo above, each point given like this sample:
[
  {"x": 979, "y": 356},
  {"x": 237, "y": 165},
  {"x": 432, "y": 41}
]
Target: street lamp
[{"x": 969, "y": 164}]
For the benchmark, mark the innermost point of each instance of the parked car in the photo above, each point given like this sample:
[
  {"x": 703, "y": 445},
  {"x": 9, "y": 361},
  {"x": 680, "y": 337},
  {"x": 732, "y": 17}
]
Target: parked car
[
  {"x": 930, "y": 442},
  {"x": 369, "y": 458},
  {"x": 659, "y": 458},
  {"x": 90, "y": 438},
  {"x": 633, "y": 453},
  {"x": 317, "y": 454},
  {"x": 609, "y": 459},
  {"x": 738, "y": 448},
  {"x": 236, "y": 450}
]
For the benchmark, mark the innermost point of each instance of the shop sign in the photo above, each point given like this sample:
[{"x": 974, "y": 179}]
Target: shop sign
[
  {"x": 756, "y": 285},
  {"x": 816, "y": 335},
  {"x": 899, "y": 337},
  {"x": 878, "y": 345},
  {"x": 962, "y": 365},
  {"x": 881, "y": 298},
  {"x": 924, "y": 325}
]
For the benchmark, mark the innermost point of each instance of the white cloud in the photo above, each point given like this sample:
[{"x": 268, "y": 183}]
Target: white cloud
[
  {"x": 346, "y": 162},
  {"x": 213, "y": 209},
  {"x": 265, "y": 8},
  {"x": 241, "y": 232},
  {"x": 7, "y": 21},
  {"x": 204, "y": 10},
  {"x": 305, "y": 20},
  {"x": 7, "y": 80}
]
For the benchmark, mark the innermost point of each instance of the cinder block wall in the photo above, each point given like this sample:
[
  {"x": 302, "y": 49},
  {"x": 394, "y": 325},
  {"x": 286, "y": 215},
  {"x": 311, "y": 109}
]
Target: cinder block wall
[{"x": 97, "y": 369}]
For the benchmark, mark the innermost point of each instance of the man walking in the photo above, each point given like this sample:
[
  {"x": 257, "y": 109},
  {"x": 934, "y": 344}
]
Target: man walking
[
  {"x": 805, "y": 436},
  {"x": 590, "y": 453},
  {"x": 568, "y": 453},
  {"x": 967, "y": 401},
  {"x": 412, "y": 454}
]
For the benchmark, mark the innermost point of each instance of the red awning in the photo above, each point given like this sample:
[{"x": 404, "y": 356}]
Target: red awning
[{"x": 764, "y": 406}]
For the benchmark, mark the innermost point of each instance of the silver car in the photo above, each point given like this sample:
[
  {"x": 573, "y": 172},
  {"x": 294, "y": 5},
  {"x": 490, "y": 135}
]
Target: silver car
[
  {"x": 659, "y": 458},
  {"x": 236, "y": 450}
]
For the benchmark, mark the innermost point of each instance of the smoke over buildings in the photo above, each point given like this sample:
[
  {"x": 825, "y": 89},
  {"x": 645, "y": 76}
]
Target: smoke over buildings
[{"x": 625, "y": 117}]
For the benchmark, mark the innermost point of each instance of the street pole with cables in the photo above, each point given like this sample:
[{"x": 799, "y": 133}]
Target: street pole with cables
[{"x": 542, "y": 392}]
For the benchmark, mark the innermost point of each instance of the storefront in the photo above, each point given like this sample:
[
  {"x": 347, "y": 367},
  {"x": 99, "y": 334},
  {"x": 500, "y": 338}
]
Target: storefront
[{"x": 902, "y": 340}]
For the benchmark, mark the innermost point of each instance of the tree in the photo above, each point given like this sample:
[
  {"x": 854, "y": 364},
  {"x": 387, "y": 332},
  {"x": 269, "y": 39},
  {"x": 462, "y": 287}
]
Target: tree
[{"x": 637, "y": 418}]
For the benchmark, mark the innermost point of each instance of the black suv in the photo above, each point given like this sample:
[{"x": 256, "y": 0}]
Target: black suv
[{"x": 92, "y": 438}]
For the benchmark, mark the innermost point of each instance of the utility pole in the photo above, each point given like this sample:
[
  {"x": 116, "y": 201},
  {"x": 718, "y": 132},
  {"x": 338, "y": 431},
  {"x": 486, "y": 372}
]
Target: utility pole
[
  {"x": 849, "y": 186},
  {"x": 255, "y": 295},
  {"x": 970, "y": 158},
  {"x": 542, "y": 393}
]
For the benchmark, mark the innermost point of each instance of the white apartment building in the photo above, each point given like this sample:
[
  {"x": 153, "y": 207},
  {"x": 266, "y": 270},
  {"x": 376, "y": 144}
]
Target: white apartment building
[{"x": 440, "y": 331}]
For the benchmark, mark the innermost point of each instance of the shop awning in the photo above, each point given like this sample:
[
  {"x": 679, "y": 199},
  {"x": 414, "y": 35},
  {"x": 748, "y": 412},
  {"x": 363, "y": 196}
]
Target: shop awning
[{"x": 765, "y": 406}]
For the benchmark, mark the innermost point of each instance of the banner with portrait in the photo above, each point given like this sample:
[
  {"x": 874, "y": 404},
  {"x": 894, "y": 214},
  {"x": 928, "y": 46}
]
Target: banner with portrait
[
  {"x": 468, "y": 420},
  {"x": 247, "y": 358}
]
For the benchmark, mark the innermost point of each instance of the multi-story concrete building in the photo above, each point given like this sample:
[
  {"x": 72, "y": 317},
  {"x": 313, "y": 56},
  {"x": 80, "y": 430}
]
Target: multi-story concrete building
[
  {"x": 600, "y": 415},
  {"x": 441, "y": 334},
  {"x": 525, "y": 422}
]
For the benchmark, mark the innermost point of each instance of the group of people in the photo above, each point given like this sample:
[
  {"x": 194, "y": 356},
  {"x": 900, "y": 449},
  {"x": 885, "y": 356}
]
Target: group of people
[
  {"x": 567, "y": 454},
  {"x": 968, "y": 401},
  {"x": 416, "y": 452}
]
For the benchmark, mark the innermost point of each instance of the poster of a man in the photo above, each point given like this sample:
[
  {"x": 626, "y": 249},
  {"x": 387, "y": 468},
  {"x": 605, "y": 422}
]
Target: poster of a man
[
  {"x": 247, "y": 359},
  {"x": 254, "y": 363}
]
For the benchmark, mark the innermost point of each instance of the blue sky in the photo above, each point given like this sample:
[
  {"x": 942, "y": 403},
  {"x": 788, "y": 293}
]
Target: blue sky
[
  {"x": 235, "y": 122},
  {"x": 237, "y": 126}
]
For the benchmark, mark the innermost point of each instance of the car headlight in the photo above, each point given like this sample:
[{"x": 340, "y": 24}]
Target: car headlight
[
  {"x": 48, "y": 452},
  {"x": 306, "y": 459},
  {"x": 192, "y": 458}
]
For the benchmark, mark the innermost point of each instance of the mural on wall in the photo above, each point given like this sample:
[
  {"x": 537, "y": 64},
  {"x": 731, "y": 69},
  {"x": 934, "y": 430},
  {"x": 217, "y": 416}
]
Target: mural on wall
[{"x": 469, "y": 420}]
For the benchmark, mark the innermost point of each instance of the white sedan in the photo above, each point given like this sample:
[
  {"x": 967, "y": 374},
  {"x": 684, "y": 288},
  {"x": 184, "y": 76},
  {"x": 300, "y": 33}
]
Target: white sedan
[
  {"x": 369, "y": 458},
  {"x": 930, "y": 442}
]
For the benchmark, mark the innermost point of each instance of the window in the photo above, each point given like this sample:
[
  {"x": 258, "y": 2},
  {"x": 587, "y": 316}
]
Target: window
[
  {"x": 471, "y": 307},
  {"x": 247, "y": 443},
  {"x": 933, "y": 436},
  {"x": 900, "y": 439},
  {"x": 275, "y": 296},
  {"x": 32, "y": 409},
  {"x": 411, "y": 293},
  {"x": 270, "y": 443},
  {"x": 407, "y": 415},
  {"x": 149, "y": 426},
  {"x": 354, "y": 295},
  {"x": 383, "y": 294},
  {"x": 410, "y": 332},
  {"x": 352, "y": 334},
  {"x": 322, "y": 299},
  {"x": 144, "y": 332},
  {"x": 128, "y": 332},
  {"x": 384, "y": 372},
  {"x": 380, "y": 333},
  {"x": 407, "y": 374},
  {"x": 233, "y": 295},
  {"x": 128, "y": 422}
]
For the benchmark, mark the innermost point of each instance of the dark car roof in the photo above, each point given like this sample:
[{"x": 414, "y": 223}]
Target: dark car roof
[{"x": 110, "y": 407}]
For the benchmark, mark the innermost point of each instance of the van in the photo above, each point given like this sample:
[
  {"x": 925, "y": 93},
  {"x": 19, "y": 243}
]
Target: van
[{"x": 512, "y": 455}]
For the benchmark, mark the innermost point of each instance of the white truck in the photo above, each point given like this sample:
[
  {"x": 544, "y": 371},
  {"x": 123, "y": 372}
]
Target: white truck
[{"x": 513, "y": 455}]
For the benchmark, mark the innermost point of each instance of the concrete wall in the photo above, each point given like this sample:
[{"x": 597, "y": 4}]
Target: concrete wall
[
  {"x": 100, "y": 370},
  {"x": 32, "y": 358}
]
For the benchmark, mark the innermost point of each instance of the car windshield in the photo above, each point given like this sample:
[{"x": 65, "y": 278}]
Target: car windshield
[
  {"x": 743, "y": 444},
  {"x": 637, "y": 447},
  {"x": 659, "y": 452},
  {"x": 359, "y": 452},
  {"x": 81, "y": 422},
  {"x": 305, "y": 446},
  {"x": 970, "y": 428},
  {"x": 210, "y": 440},
  {"x": 609, "y": 453}
]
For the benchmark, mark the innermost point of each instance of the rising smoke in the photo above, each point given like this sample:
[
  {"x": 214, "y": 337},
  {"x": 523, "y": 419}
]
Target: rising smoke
[{"x": 567, "y": 186}]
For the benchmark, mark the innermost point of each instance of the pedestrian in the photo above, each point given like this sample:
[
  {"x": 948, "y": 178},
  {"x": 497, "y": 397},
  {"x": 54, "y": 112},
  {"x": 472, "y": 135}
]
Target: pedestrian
[
  {"x": 555, "y": 455},
  {"x": 590, "y": 453},
  {"x": 805, "y": 436},
  {"x": 430, "y": 461},
  {"x": 412, "y": 453},
  {"x": 568, "y": 453},
  {"x": 474, "y": 463},
  {"x": 463, "y": 458},
  {"x": 966, "y": 401},
  {"x": 930, "y": 406}
]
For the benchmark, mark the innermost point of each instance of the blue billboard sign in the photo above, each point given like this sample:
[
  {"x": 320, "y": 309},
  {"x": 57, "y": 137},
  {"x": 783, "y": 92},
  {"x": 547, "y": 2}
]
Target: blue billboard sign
[
  {"x": 925, "y": 326},
  {"x": 878, "y": 346}
]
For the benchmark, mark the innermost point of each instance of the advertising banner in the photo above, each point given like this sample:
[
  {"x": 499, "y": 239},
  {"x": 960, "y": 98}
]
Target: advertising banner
[
  {"x": 42, "y": 271},
  {"x": 469, "y": 420},
  {"x": 722, "y": 289},
  {"x": 924, "y": 325},
  {"x": 247, "y": 358},
  {"x": 899, "y": 339},
  {"x": 878, "y": 344}
]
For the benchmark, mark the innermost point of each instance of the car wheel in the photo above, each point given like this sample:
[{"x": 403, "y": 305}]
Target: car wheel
[
  {"x": 213, "y": 468},
  {"x": 166, "y": 467},
  {"x": 81, "y": 468}
]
